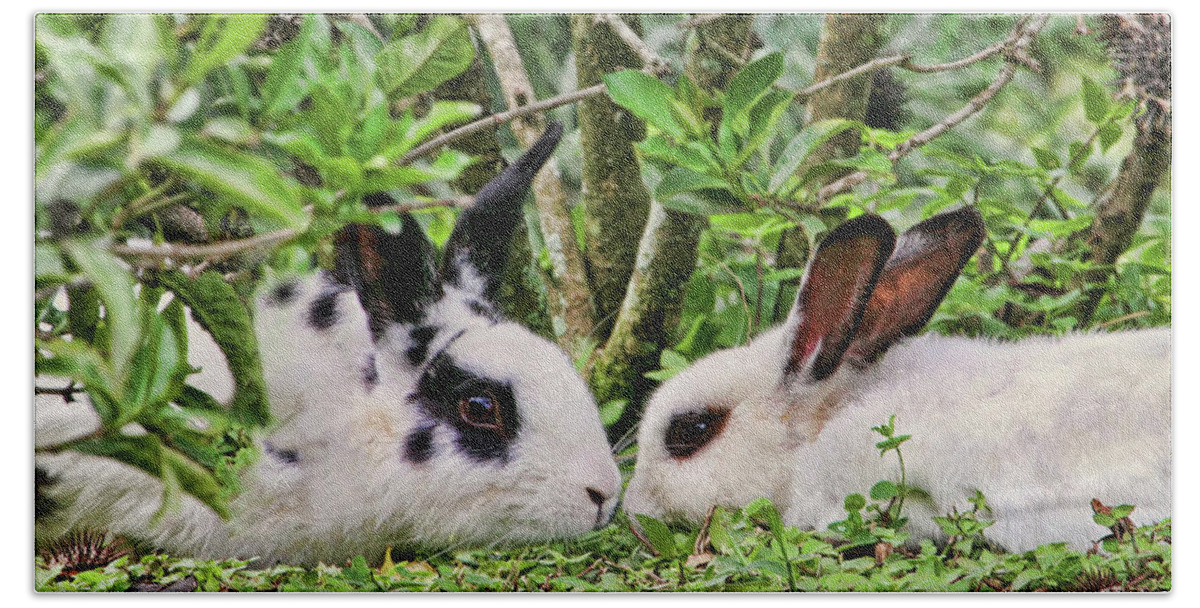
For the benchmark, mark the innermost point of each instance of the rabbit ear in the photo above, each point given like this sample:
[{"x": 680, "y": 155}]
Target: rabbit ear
[
  {"x": 394, "y": 274},
  {"x": 481, "y": 236},
  {"x": 928, "y": 259},
  {"x": 835, "y": 291}
]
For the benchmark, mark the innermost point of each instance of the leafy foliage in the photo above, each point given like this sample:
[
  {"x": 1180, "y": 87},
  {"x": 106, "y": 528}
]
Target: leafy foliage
[
  {"x": 252, "y": 124},
  {"x": 144, "y": 119}
]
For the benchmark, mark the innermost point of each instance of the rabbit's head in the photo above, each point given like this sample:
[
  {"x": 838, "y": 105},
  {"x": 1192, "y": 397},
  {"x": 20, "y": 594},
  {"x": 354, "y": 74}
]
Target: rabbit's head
[
  {"x": 476, "y": 430},
  {"x": 725, "y": 430}
]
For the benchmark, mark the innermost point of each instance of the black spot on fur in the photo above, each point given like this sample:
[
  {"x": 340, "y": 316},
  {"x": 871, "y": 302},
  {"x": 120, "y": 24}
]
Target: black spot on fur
[
  {"x": 420, "y": 337},
  {"x": 441, "y": 390},
  {"x": 370, "y": 373},
  {"x": 418, "y": 446},
  {"x": 322, "y": 311},
  {"x": 283, "y": 293},
  {"x": 284, "y": 456},
  {"x": 43, "y": 505}
]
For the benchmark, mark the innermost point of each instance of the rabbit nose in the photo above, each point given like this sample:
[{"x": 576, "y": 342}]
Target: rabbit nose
[{"x": 598, "y": 497}]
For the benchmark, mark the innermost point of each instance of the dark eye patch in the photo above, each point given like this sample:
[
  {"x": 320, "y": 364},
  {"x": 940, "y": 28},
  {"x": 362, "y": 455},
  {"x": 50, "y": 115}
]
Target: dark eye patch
[
  {"x": 690, "y": 431},
  {"x": 481, "y": 411}
]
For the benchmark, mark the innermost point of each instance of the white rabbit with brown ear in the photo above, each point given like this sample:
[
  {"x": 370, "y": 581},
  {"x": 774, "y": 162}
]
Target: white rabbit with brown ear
[
  {"x": 1041, "y": 426},
  {"x": 407, "y": 411}
]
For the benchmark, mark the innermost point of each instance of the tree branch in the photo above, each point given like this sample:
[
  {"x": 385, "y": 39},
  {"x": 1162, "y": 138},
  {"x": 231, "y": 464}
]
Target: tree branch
[
  {"x": 567, "y": 293},
  {"x": 1014, "y": 47},
  {"x": 498, "y": 119},
  {"x": 214, "y": 251}
]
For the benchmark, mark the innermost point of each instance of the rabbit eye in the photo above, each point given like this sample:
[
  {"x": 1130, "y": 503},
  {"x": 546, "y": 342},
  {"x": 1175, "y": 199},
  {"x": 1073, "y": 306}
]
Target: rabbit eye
[
  {"x": 690, "y": 431},
  {"x": 482, "y": 412}
]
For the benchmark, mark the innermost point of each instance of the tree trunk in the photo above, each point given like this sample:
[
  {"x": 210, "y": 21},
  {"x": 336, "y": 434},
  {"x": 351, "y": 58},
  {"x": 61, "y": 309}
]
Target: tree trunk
[
  {"x": 1119, "y": 214},
  {"x": 567, "y": 295},
  {"x": 1140, "y": 49},
  {"x": 614, "y": 197},
  {"x": 847, "y": 41},
  {"x": 666, "y": 256}
]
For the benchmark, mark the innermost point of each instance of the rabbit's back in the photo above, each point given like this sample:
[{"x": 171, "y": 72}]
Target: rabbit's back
[{"x": 1040, "y": 426}]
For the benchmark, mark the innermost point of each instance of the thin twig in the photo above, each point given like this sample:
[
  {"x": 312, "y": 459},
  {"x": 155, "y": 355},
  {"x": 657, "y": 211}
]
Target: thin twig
[
  {"x": 1015, "y": 53},
  {"x": 1129, "y": 317},
  {"x": 869, "y": 66},
  {"x": 213, "y": 251},
  {"x": 652, "y": 62},
  {"x": 462, "y": 202},
  {"x": 729, "y": 55},
  {"x": 67, "y": 392},
  {"x": 977, "y": 103},
  {"x": 954, "y": 65},
  {"x": 498, "y": 119}
]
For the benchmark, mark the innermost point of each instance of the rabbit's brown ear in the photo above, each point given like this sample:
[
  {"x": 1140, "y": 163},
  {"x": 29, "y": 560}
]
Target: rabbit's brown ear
[
  {"x": 836, "y": 287},
  {"x": 394, "y": 274},
  {"x": 928, "y": 259}
]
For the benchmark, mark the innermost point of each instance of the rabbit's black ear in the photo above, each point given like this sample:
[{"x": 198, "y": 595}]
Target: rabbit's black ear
[
  {"x": 394, "y": 274},
  {"x": 928, "y": 259},
  {"x": 836, "y": 287},
  {"x": 479, "y": 243}
]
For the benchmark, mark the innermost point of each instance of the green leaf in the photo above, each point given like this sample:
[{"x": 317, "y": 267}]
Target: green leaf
[
  {"x": 884, "y": 490},
  {"x": 1110, "y": 134},
  {"x": 331, "y": 115},
  {"x": 611, "y": 411},
  {"x": 701, "y": 205},
  {"x": 115, "y": 286},
  {"x": 892, "y": 443},
  {"x": 442, "y": 114},
  {"x": 1095, "y": 101},
  {"x": 86, "y": 364},
  {"x": 217, "y": 308},
  {"x": 229, "y": 129},
  {"x": 295, "y": 66},
  {"x": 749, "y": 85},
  {"x": 1121, "y": 511},
  {"x": 854, "y": 503},
  {"x": 803, "y": 144},
  {"x": 418, "y": 63},
  {"x": 658, "y": 534},
  {"x": 647, "y": 98},
  {"x": 448, "y": 165},
  {"x": 138, "y": 43},
  {"x": 764, "y": 117},
  {"x": 693, "y": 155},
  {"x": 222, "y": 37},
  {"x": 249, "y": 181},
  {"x": 1046, "y": 159},
  {"x": 682, "y": 179}
]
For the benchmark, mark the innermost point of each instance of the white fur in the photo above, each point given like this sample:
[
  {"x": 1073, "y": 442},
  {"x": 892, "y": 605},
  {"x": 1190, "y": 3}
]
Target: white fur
[
  {"x": 1041, "y": 427},
  {"x": 352, "y": 491}
]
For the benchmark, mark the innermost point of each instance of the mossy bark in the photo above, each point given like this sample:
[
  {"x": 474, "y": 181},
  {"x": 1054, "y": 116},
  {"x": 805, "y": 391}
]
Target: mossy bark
[
  {"x": 1119, "y": 214},
  {"x": 666, "y": 256},
  {"x": 616, "y": 201}
]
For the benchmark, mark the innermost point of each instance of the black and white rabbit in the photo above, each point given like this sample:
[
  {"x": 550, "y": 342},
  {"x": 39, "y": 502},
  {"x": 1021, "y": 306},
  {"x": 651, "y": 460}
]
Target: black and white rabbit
[
  {"x": 407, "y": 411},
  {"x": 1040, "y": 426}
]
